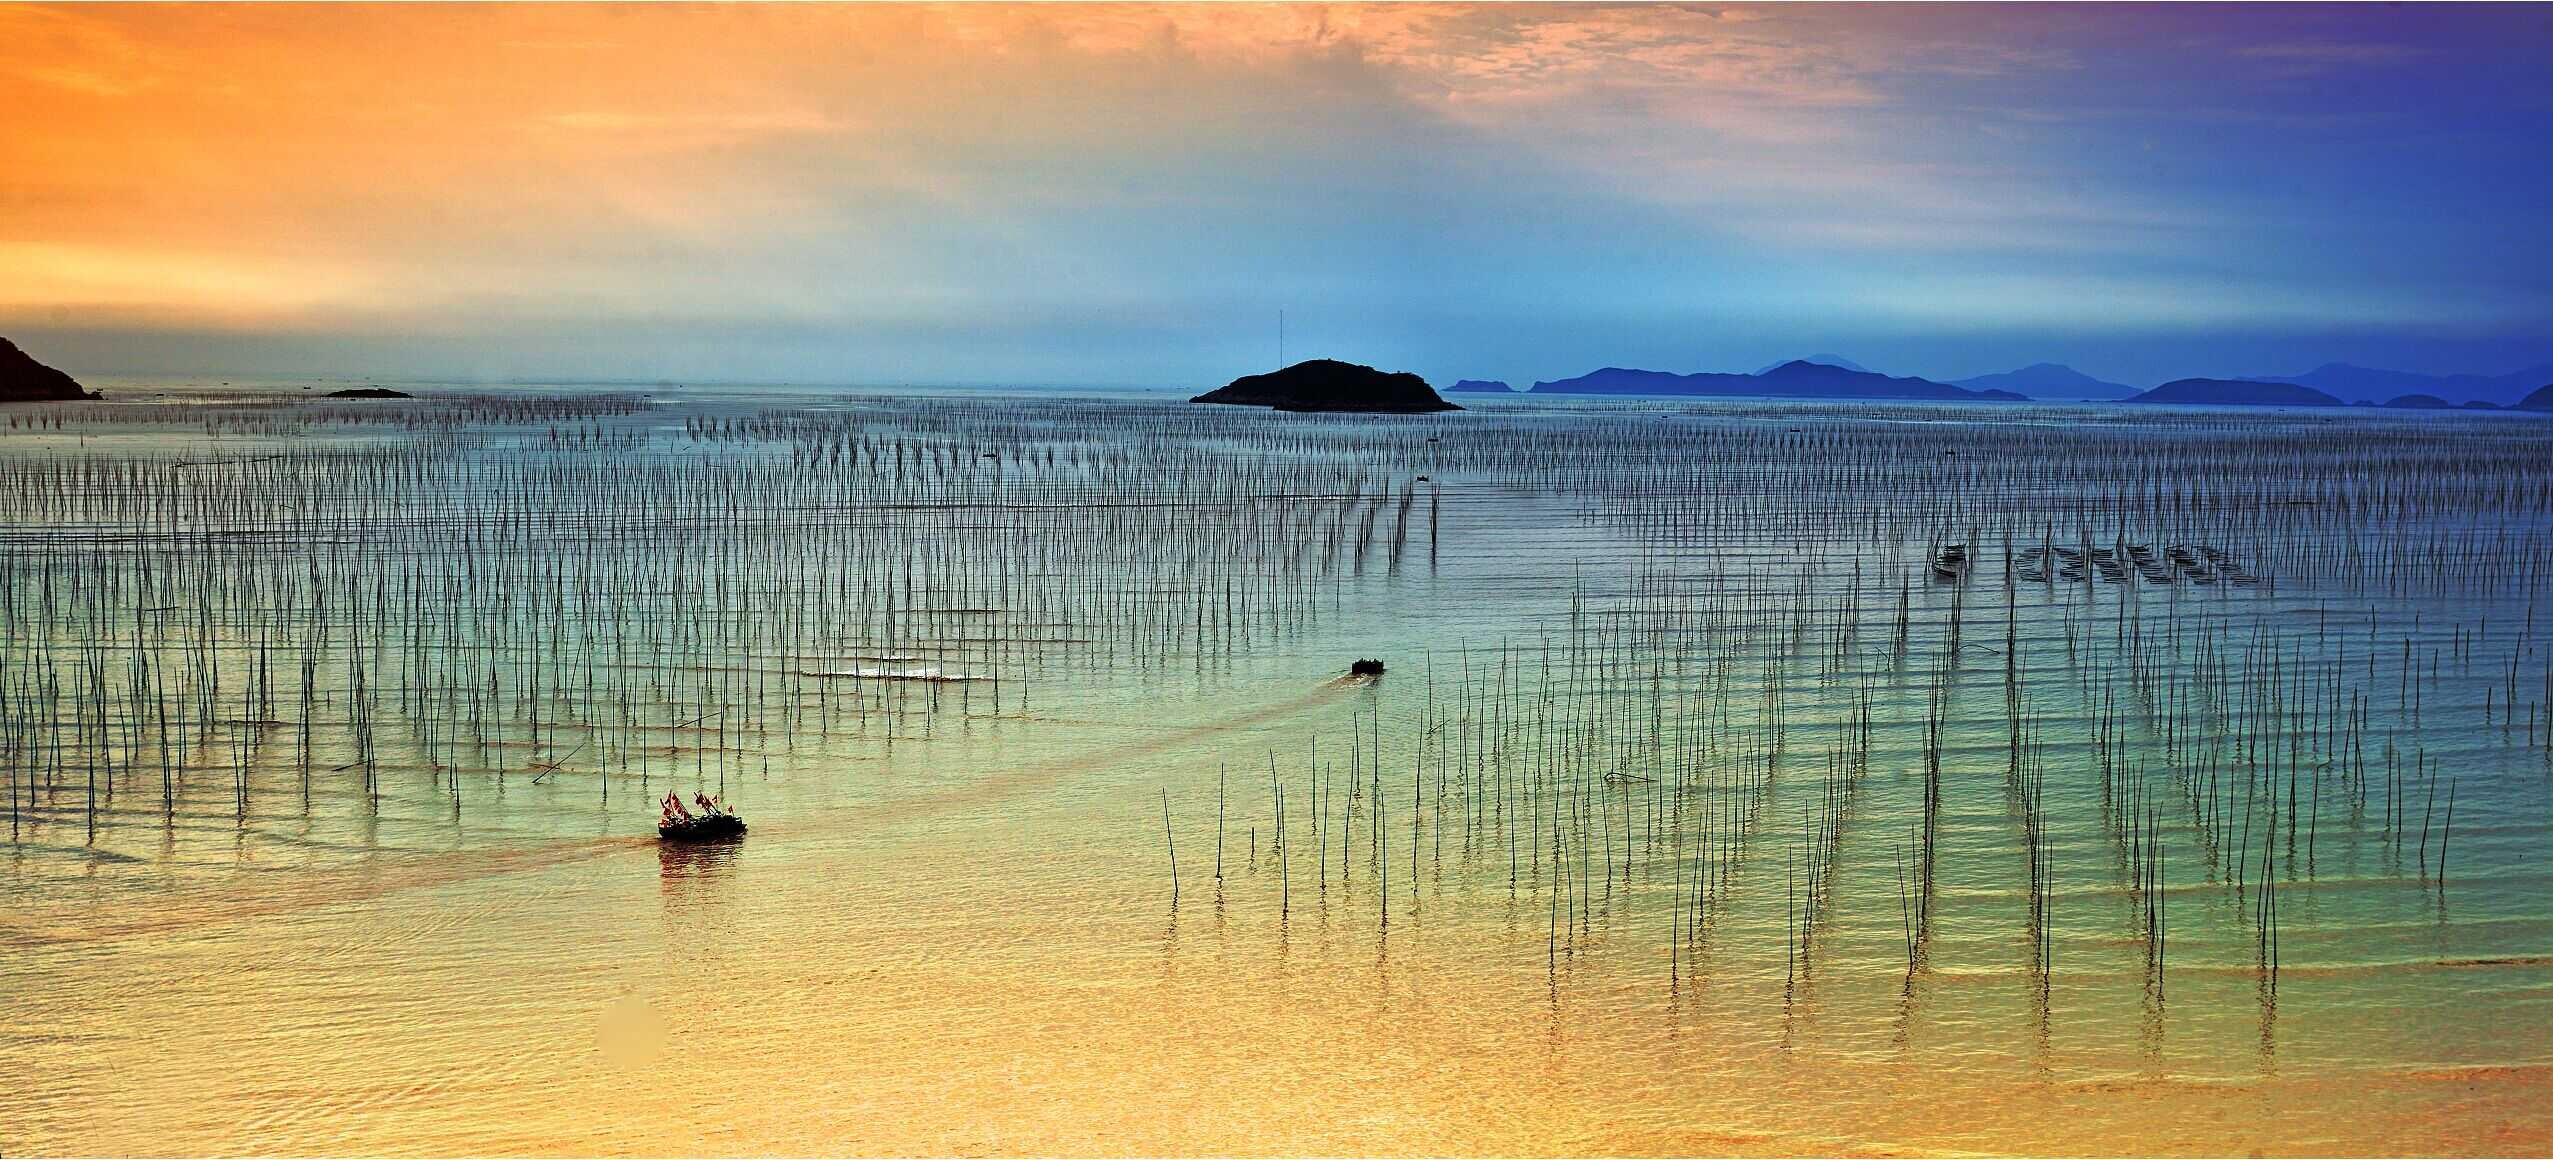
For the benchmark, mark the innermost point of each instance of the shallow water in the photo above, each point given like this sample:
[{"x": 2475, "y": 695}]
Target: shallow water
[{"x": 1647, "y": 677}]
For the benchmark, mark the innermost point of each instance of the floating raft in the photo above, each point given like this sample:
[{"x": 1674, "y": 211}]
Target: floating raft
[{"x": 2170, "y": 564}]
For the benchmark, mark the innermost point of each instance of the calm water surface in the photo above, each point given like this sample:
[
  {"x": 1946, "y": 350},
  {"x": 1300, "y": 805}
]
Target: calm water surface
[{"x": 334, "y": 737}]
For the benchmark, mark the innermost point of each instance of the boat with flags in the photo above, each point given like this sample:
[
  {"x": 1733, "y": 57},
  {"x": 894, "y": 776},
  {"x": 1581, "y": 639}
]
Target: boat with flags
[{"x": 713, "y": 823}]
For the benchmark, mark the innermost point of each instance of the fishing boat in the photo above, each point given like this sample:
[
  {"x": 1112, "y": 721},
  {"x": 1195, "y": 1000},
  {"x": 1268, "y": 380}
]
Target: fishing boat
[
  {"x": 712, "y": 824},
  {"x": 710, "y": 828},
  {"x": 1951, "y": 566}
]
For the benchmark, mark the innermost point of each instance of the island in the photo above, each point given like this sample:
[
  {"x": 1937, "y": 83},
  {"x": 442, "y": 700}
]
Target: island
[
  {"x": 2419, "y": 403},
  {"x": 1482, "y": 387},
  {"x": 369, "y": 393},
  {"x": 2235, "y": 393},
  {"x": 2541, "y": 399},
  {"x": 1323, "y": 384},
  {"x": 24, "y": 380},
  {"x": 2357, "y": 382},
  {"x": 1797, "y": 379}
]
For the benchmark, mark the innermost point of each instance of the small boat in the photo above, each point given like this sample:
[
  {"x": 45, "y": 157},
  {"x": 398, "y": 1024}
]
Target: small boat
[
  {"x": 713, "y": 823},
  {"x": 1951, "y": 566},
  {"x": 704, "y": 828}
]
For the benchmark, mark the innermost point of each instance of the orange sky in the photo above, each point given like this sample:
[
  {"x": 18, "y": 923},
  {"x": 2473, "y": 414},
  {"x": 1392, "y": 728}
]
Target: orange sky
[
  {"x": 255, "y": 164},
  {"x": 1087, "y": 187},
  {"x": 241, "y": 163}
]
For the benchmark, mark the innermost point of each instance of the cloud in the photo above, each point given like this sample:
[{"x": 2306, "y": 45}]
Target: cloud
[
  {"x": 731, "y": 125},
  {"x": 936, "y": 167},
  {"x": 66, "y": 49},
  {"x": 79, "y": 81},
  {"x": 110, "y": 281},
  {"x": 2333, "y": 52}
]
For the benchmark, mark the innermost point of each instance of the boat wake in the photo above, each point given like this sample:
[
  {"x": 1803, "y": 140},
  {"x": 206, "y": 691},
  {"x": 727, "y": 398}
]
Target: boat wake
[
  {"x": 250, "y": 895},
  {"x": 1045, "y": 773}
]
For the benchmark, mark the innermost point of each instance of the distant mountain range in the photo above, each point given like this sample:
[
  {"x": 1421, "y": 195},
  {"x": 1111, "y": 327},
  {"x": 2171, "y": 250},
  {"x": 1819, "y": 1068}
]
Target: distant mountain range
[
  {"x": 2354, "y": 383},
  {"x": 1831, "y": 376},
  {"x": 2236, "y": 392},
  {"x": 1797, "y": 379},
  {"x": 2048, "y": 381}
]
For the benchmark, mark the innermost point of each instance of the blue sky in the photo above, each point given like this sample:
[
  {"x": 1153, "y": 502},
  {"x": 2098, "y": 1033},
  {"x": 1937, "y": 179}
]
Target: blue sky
[{"x": 1129, "y": 194}]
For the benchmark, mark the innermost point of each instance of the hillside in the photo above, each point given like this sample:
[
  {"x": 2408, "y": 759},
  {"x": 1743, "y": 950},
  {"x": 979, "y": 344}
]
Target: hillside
[{"x": 24, "y": 380}]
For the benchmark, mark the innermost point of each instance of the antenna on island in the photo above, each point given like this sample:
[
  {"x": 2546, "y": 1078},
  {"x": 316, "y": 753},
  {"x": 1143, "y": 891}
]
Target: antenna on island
[{"x": 1280, "y": 339}]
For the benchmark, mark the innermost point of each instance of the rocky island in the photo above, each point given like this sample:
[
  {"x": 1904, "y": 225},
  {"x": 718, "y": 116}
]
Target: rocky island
[
  {"x": 1323, "y": 384},
  {"x": 369, "y": 393},
  {"x": 1481, "y": 387},
  {"x": 24, "y": 380}
]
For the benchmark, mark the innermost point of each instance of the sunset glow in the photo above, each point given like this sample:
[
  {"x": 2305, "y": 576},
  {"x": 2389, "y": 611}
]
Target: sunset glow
[
  {"x": 1128, "y": 193},
  {"x": 1276, "y": 580}
]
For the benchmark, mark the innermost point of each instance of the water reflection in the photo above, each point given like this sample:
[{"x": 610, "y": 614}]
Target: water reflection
[
  {"x": 689, "y": 872},
  {"x": 695, "y": 879}
]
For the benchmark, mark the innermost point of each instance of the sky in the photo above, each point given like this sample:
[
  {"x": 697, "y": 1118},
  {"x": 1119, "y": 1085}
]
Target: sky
[{"x": 1129, "y": 194}]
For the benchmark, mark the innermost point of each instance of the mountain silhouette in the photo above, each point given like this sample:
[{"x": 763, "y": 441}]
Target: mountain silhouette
[
  {"x": 24, "y": 380},
  {"x": 2048, "y": 381},
  {"x": 2236, "y": 393},
  {"x": 1824, "y": 360},
  {"x": 2540, "y": 399},
  {"x": 1797, "y": 379},
  {"x": 2357, "y": 382},
  {"x": 1323, "y": 384},
  {"x": 1482, "y": 386}
]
